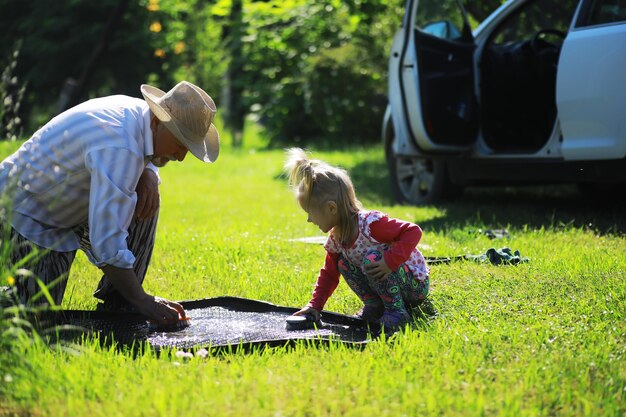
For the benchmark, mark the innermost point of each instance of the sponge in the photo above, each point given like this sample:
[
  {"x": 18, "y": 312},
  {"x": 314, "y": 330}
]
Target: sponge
[{"x": 304, "y": 322}]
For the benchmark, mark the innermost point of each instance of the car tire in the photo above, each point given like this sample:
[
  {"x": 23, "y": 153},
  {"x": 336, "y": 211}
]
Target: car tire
[{"x": 418, "y": 180}]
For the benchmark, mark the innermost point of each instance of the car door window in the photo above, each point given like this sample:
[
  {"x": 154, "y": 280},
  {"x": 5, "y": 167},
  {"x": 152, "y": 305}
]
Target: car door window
[
  {"x": 601, "y": 12},
  {"x": 535, "y": 16}
]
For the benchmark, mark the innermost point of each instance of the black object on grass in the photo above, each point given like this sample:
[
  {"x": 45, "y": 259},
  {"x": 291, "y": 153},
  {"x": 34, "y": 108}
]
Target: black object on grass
[{"x": 220, "y": 323}]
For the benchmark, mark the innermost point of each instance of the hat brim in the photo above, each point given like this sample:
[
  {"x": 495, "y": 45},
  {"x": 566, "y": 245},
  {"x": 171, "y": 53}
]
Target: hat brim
[{"x": 206, "y": 151}]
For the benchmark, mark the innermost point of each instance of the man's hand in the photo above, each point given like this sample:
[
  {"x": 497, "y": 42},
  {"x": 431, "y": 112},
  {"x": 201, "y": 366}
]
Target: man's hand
[
  {"x": 160, "y": 309},
  {"x": 156, "y": 308},
  {"x": 378, "y": 270},
  {"x": 148, "y": 199}
]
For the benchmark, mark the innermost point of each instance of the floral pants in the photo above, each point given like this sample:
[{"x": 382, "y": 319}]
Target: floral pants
[{"x": 398, "y": 291}]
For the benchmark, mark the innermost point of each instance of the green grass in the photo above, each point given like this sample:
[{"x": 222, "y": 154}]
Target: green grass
[{"x": 544, "y": 338}]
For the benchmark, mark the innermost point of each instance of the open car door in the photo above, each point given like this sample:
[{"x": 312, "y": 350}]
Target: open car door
[
  {"x": 436, "y": 72},
  {"x": 591, "y": 93}
]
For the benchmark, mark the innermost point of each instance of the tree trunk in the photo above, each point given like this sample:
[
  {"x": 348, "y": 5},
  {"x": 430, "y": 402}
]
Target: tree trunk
[
  {"x": 232, "y": 96},
  {"x": 73, "y": 90}
]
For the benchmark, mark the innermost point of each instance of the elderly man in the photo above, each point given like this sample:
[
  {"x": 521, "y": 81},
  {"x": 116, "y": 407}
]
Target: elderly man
[{"x": 88, "y": 180}]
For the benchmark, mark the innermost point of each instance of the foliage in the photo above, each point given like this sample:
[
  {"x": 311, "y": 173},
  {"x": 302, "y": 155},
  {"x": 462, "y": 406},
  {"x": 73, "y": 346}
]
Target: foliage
[
  {"x": 308, "y": 68},
  {"x": 319, "y": 69},
  {"x": 58, "y": 41}
]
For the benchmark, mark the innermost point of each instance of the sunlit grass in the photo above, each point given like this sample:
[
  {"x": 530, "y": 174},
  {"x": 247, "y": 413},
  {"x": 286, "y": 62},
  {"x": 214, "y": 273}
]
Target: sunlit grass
[{"x": 543, "y": 338}]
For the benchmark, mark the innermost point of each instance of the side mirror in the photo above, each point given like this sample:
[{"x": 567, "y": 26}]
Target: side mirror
[{"x": 443, "y": 29}]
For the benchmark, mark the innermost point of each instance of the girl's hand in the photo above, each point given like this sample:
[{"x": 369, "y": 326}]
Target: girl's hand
[
  {"x": 378, "y": 270},
  {"x": 308, "y": 310}
]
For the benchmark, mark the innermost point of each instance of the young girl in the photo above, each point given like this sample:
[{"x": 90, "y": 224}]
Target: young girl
[{"x": 376, "y": 255}]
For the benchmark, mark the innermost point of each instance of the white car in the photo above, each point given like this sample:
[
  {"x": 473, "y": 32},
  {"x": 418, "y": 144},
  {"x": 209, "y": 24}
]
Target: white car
[{"x": 535, "y": 94}]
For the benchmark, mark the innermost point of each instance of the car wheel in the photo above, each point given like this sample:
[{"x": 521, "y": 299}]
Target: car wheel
[{"x": 419, "y": 180}]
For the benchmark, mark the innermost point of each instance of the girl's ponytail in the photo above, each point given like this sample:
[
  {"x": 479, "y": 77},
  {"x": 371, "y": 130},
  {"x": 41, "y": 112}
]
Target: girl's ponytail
[
  {"x": 298, "y": 167},
  {"x": 301, "y": 172}
]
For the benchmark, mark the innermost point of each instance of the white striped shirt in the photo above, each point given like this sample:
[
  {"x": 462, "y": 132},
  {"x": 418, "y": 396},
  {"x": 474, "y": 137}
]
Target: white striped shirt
[{"x": 81, "y": 166}]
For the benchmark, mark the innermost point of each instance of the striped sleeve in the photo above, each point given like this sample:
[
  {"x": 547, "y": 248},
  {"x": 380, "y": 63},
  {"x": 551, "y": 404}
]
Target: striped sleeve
[{"x": 112, "y": 200}]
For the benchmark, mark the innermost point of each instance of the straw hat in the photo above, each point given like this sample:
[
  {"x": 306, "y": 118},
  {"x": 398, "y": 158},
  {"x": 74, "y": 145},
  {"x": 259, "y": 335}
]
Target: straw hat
[{"x": 188, "y": 112}]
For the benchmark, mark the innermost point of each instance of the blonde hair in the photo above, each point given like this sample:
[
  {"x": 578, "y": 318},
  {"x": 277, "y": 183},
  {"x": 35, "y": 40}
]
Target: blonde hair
[{"x": 317, "y": 183}]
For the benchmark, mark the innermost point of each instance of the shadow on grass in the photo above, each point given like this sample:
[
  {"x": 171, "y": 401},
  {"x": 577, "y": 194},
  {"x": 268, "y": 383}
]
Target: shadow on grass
[
  {"x": 503, "y": 207},
  {"x": 535, "y": 207}
]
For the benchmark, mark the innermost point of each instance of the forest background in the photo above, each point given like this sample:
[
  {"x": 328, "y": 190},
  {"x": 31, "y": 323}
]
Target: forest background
[{"x": 306, "y": 70}]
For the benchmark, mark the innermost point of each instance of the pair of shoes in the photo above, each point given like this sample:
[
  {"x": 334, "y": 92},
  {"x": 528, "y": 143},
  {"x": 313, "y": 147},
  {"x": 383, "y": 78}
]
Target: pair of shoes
[
  {"x": 371, "y": 312},
  {"x": 394, "y": 319}
]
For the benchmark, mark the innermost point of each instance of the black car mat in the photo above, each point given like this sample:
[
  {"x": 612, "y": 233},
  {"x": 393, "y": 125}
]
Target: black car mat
[{"x": 215, "y": 323}]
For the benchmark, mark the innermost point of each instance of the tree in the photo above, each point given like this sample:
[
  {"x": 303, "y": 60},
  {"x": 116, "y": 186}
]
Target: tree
[
  {"x": 76, "y": 92},
  {"x": 234, "y": 78},
  {"x": 58, "y": 42},
  {"x": 318, "y": 69}
]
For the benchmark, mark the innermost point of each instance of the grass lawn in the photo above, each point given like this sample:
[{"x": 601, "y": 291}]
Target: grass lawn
[{"x": 544, "y": 338}]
